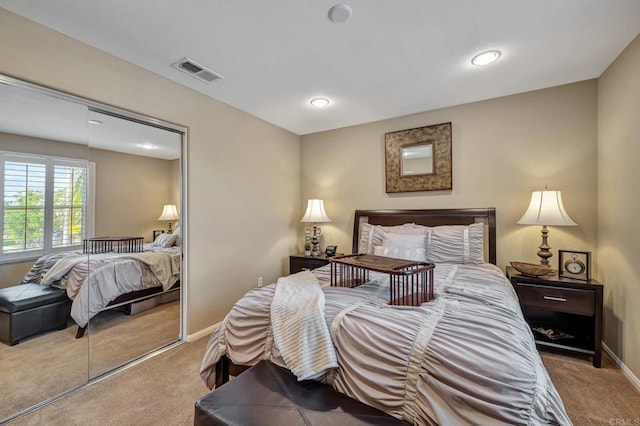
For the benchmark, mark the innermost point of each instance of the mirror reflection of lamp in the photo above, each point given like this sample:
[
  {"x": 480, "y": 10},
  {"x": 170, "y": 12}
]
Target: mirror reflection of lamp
[
  {"x": 169, "y": 212},
  {"x": 315, "y": 213},
  {"x": 546, "y": 208}
]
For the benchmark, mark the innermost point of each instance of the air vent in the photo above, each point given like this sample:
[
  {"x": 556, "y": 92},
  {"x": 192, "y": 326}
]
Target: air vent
[{"x": 193, "y": 68}]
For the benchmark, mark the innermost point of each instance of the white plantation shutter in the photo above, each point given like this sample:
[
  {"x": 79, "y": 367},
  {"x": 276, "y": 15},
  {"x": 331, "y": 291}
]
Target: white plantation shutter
[
  {"x": 24, "y": 182},
  {"x": 44, "y": 204}
]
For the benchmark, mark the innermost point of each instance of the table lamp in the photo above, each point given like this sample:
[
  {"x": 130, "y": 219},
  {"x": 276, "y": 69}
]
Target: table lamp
[
  {"x": 169, "y": 212},
  {"x": 546, "y": 209},
  {"x": 315, "y": 213}
]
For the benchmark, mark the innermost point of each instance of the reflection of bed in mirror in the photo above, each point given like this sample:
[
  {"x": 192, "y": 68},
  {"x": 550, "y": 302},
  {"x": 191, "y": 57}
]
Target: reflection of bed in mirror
[
  {"x": 121, "y": 168},
  {"x": 111, "y": 279}
]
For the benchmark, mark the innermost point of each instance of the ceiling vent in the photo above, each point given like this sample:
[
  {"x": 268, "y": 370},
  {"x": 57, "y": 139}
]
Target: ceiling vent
[{"x": 193, "y": 68}]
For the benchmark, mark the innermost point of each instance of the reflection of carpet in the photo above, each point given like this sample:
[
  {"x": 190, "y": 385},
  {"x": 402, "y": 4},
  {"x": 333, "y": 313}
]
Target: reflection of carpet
[{"x": 51, "y": 363}]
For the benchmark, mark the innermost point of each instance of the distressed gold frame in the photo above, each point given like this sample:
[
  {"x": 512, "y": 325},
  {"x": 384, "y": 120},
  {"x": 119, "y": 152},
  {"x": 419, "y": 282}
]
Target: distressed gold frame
[{"x": 441, "y": 178}]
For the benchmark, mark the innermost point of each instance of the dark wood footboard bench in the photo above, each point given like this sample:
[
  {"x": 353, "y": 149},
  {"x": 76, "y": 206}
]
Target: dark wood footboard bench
[
  {"x": 267, "y": 394},
  {"x": 29, "y": 309}
]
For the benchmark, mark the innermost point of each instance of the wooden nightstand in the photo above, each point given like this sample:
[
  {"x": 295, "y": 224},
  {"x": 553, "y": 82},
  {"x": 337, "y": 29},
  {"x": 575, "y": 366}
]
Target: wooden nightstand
[
  {"x": 564, "y": 305},
  {"x": 299, "y": 262}
]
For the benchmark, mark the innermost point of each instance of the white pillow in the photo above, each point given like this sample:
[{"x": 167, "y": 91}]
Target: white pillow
[
  {"x": 370, "y": 236},
  {"x": 405, "y": 240},
  {"x": 417, "y": 254},
  {"x": 373, "y": 235},
  {"x": 456, "y": 244},
  {"x": 165, "y": 240}
]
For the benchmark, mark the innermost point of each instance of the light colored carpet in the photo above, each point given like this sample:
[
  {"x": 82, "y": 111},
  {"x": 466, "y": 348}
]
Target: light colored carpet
[
  {"x": 162, "y": 391},
  {"x": 593, "y": 396},
  {"x": 159, "y": 391},
  {"x": 48, "y": 364}
]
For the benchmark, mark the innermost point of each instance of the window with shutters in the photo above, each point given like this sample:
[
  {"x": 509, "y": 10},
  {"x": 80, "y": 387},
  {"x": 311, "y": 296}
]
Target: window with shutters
[{"x": 45, "y": 204}]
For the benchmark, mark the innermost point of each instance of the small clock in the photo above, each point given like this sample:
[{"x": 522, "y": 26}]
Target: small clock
[{"x": 574, "y": 264}]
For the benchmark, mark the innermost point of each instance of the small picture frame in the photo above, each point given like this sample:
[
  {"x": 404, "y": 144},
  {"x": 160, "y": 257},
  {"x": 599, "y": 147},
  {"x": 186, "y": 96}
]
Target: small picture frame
[{"x": 574, "y": 264}]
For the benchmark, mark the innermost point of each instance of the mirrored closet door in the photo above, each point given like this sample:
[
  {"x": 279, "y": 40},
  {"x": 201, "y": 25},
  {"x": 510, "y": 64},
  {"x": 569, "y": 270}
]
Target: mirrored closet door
[
  {"x": 40, "y": 136},
  {"x": 91, "y": 270},
  {"x": 137, "y": 174}
]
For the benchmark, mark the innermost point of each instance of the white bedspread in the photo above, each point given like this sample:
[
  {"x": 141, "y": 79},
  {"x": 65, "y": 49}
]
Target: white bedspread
[{"x": 299, "y": 327}]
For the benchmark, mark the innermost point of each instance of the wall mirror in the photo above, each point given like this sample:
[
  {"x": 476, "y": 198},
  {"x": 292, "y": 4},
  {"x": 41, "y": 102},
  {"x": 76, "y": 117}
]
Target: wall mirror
[
  {"x": 416, "y": 159},
  {"x": 91, "y": 277}
]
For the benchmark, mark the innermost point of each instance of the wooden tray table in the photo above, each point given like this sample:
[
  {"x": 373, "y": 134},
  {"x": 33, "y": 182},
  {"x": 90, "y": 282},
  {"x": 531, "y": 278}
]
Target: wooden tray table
[{"x": 410, "y": 282}]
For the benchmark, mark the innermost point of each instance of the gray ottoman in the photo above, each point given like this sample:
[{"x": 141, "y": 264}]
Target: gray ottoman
[{"x": 28, "y": 309}]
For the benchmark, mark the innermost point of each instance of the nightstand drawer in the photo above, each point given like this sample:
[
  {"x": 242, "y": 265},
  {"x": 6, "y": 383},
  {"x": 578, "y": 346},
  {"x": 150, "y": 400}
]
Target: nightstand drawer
[{"x": 559, "y": 299}]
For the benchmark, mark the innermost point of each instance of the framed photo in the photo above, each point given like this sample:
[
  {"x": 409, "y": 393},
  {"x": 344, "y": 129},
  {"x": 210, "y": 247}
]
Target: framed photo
[
  {"x": 419, "y": 159},
  {"x": 574, "y": 264}
]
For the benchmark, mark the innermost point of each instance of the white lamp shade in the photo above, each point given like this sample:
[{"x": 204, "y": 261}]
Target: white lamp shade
[
  {"x": 546, "y": 208},
  {"x": 169, "y": 212},
  {"x": 315, "y": 212}
]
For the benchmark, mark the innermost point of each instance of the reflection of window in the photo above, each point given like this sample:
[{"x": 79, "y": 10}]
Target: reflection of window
[{"x": 44, "y": 204}]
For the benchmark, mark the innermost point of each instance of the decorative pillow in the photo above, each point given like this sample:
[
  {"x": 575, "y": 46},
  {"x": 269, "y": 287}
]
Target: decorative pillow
[
  {"x": 178, "y": 232},
  {"x": 370, "y": 236},
  {"x": 373, "y": 235},
  {"x": 456, "y": 244},
  {"x": 165, "y": 240},
  {"x": 407, "y": 228},
  {"x": 417, "y": 254},
  {"x": 405, "y": 240}
]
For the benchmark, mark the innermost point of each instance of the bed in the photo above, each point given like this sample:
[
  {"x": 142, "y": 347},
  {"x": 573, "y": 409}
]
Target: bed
[
  {"x": 466, "y": 357},
  {"x": 97, "y": 281}
]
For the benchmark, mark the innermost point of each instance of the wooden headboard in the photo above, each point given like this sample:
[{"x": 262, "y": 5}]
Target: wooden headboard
[{"x": 434, "y": 217}]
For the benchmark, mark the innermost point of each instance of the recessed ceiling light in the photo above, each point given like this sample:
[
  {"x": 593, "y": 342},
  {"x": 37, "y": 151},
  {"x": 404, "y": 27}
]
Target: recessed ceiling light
[
  {"x": 319, "y": 102},
  {"x": 340, "y": 13},
  {"x": 485, "y": 58},
  {"x": 95, "y": 122},
  {"x": 147, "y": 146}
]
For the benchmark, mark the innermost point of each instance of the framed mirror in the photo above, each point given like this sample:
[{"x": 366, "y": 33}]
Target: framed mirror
[
  {"x": 81, "y": 218},
  {"x": 416, "y": 159}
]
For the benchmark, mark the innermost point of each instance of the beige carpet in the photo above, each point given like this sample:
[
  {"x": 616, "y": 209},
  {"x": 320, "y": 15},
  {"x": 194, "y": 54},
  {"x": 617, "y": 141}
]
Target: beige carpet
[
  {"x": 162, "y": 391},
  {"x": 593, "y": 396},
  {"x": 46, "y": 365}
]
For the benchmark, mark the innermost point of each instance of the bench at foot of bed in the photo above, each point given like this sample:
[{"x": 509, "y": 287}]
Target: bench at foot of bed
[
  {"x": 270, "y": 395},
  {"x": 30, "y": 309}
]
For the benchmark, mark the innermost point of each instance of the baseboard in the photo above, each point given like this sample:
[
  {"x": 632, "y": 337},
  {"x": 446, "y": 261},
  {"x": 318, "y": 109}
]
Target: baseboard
[
  {"x": 625, "y": 370},
  {"x": 202, "y": 333}
]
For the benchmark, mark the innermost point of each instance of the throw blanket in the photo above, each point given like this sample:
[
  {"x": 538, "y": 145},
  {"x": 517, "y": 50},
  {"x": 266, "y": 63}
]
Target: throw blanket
[{"x": 299, "y": 327}]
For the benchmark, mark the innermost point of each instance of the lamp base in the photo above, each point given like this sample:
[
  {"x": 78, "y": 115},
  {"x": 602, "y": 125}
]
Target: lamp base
[
  {"x": 315, "y": 241},
  {"x": 544, "y": 253}
]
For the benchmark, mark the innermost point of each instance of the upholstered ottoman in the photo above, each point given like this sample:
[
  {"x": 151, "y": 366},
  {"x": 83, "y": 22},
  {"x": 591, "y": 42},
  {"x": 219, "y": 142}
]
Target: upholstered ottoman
[
  {"x": 267, "y": 394},
  {"x": 28, "y": 309}
]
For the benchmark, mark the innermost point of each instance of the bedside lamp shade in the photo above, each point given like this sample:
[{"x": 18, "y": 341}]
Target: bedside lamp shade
[
  {"x": 546, "y": 208},
  {"x": 169, "y": 212},
  {"x": 315, "y": 213}
]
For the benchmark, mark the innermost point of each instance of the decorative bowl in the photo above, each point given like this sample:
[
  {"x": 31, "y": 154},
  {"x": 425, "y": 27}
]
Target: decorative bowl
[{"x": 532, "y": 269}]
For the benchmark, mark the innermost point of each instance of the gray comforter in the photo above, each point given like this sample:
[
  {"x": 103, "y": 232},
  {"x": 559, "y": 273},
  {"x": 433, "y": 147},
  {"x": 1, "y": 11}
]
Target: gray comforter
[{"x": 467, "y": 357}]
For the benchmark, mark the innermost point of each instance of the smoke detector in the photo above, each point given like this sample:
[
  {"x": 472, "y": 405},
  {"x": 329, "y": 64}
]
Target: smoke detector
[{"x": 196, "y": 70}]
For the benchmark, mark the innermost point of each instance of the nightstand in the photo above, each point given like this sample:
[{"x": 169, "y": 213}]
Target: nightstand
[
  {"x": 299, "y": 262},
  {"x": 563, "y": 305}
]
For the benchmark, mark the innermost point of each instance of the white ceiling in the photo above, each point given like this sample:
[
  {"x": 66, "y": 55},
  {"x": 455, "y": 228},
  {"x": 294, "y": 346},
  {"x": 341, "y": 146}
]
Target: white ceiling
[
  {"x": 29, "y": 113},
  {"x": 394, "y": 57}
]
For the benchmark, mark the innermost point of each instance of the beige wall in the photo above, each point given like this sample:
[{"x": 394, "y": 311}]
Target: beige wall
[
  {"x": 243, "y": 173},
  {"x": 619, "y": 203},
  {"x": 141, "y": 185},
  {"x": 130, "y": 192},
  {"x": 503, "y": 149}
]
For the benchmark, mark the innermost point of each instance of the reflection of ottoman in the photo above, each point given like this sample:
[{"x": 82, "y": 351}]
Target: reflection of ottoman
[
  {"x": 267, "y": 394},
  {"x": 29, "y": 309}
]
